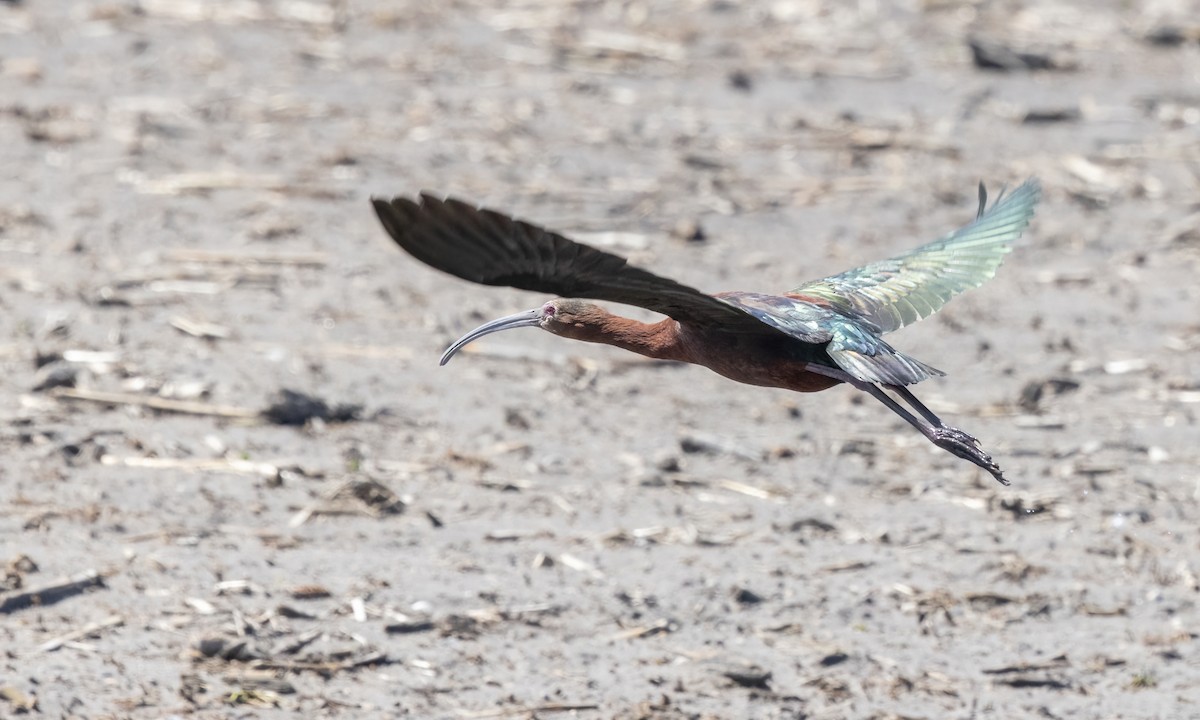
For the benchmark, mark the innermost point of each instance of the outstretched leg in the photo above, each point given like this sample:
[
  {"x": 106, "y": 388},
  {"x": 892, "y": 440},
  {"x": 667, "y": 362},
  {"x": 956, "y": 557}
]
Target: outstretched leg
[
  {"x": 916, "y": 404},
  {"x": 950, "y": 439}
]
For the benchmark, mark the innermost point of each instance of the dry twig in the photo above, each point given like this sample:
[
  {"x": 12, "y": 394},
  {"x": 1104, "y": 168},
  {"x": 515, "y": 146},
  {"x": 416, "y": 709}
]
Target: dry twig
[
  {"x": 90, "y": 629},
  {"x": 50, "y": 594},
  {"x": 155, "y": 403}
]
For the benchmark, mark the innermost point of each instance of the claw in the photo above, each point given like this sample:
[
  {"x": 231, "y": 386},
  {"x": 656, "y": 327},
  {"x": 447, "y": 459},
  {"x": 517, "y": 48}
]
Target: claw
[
  {"x": 962, "y": 445},
  {"x": 959, "y": 435}
]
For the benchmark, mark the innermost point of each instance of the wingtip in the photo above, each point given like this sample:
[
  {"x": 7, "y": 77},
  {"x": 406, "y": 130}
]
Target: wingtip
[
  {"x": 1026, "y": 196},
  {"x": 1030, "y": 194},
  {"x": 394, "y": 214},
  {"x": 421, "y": 198},
  {"x": 1032, "y": 186}
]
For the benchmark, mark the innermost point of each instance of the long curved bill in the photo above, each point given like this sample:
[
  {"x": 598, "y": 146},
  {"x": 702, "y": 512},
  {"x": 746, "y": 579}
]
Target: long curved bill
[{"x": 529, "y": 318}]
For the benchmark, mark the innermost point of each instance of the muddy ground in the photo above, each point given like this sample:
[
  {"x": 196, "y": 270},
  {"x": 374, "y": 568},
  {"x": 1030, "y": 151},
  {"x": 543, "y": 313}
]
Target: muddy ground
[{"x": 546, "y": 529}]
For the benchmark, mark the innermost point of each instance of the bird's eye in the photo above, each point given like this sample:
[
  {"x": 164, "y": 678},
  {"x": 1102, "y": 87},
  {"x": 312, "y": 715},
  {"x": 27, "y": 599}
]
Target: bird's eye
[{"x": 548, "y": 310}]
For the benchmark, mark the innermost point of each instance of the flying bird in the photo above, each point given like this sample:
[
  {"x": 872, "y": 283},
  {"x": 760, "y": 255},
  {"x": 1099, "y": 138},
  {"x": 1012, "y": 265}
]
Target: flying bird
[{"x": 823, "y": 333}]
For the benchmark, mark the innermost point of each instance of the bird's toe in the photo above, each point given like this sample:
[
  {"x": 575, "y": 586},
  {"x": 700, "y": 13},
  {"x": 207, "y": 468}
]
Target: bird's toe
[{"x": 965, "y": 446}]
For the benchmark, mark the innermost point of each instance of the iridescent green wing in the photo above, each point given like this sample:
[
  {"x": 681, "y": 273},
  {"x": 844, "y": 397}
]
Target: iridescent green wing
[
  {"x": 901, "y": 290},
  {"x": 851, "y": 345}
]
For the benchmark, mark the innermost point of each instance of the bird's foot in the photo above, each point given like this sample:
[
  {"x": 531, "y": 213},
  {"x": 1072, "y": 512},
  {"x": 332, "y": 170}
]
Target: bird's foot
[{"x": 962, "y": 445}]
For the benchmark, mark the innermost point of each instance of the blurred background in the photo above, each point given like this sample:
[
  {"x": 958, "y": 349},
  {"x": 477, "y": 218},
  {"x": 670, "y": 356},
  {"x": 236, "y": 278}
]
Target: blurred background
[{"x": 234, "y": 477}]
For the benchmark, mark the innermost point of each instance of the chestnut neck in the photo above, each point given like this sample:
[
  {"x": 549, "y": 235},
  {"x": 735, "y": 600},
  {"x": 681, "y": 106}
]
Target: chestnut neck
[{"x": 660, "y": 340}]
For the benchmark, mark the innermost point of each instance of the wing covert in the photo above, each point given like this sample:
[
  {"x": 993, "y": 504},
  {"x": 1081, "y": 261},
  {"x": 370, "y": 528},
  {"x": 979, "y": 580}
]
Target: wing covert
[
  {"x": 870, "y": 358},
  {"x": 852, "y": 345}
]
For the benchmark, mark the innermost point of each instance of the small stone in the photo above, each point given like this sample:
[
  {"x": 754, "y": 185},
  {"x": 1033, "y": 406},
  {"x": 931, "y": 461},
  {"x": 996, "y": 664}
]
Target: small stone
[
  {"x": 56, "y": 374},
  {"x": 689, "y": 231},
  {"x": 746, "y": 596}
]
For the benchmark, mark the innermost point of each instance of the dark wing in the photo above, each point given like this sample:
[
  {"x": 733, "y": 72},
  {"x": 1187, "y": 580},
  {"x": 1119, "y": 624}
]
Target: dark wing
[
  {"x": 488, "y": 247},
  {"x": 904, "y": 289}
]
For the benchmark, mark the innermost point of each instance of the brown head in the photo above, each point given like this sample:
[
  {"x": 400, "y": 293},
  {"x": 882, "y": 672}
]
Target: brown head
[{"x": 564, "y": 316}]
